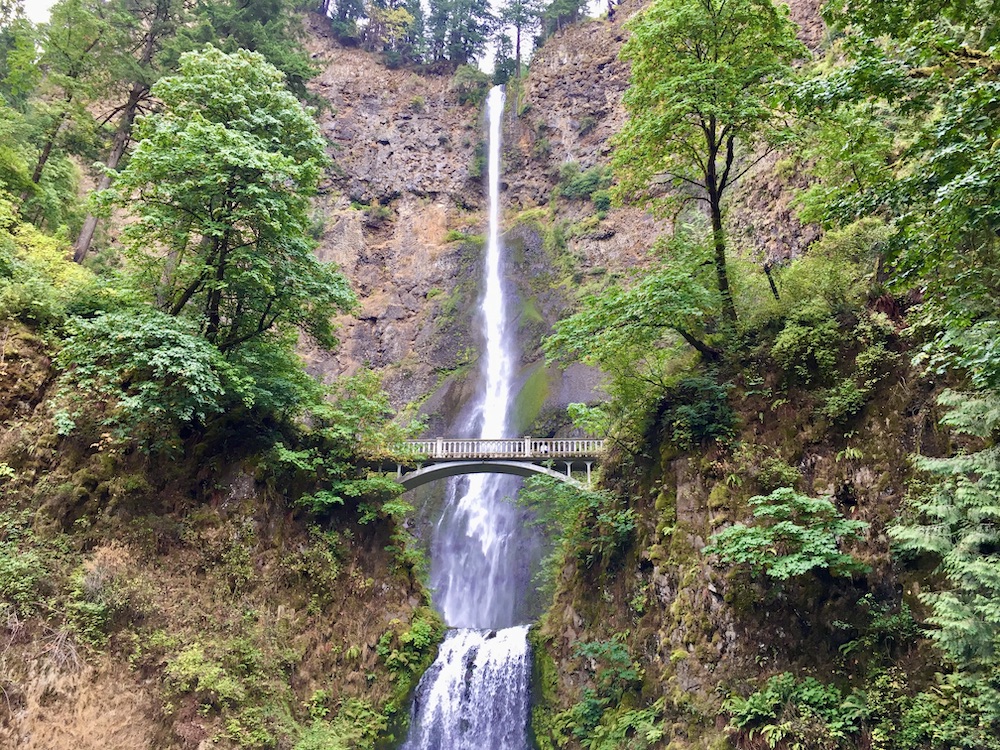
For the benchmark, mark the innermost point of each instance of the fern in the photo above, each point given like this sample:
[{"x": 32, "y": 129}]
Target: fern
[{"x": 958, "y": 519}]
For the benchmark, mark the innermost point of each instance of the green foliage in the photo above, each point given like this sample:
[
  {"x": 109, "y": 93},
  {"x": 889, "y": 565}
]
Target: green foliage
[
  {"x": 797, "y": 713},
  {"x": 694, "y": 411},
  {"x": 471, "y": 85},
  {"x": 149, "y": 369},
  {"x": 602, "y": 201},
  {"x": 696, "y": 96},
  {"x": 24, "y": 574},
  {"x": 408, "y": 653},
  {"x": 38, "y": 283},
  {"x": 632, "y": 318},
  {"x": 193, "y": 671},
  {"x": 561, "y": 13},
  {"x": 954, "y": 519},
  {"x": 792, "y": 535},
  {"x": 591, "y": 526},
  {"x": 575, "y": 183},
  {"x": 808, "y": 345},
  {"x": 887, "y": 626},
  {"x": 636, "y": 729},
  {"x": 457, "y": 31},
  {"x": 356, "y": 726},
  {"x": 599, "y": 720},
  {"x": 353, "y": 430}
]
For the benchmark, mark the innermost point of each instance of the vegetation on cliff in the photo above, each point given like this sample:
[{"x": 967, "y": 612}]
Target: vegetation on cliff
[
  {"x": 857, "y": 542},
  {"x": 178, "y": 494}
]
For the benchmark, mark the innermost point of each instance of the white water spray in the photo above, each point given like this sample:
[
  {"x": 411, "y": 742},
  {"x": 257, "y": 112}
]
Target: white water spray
[{"x": 476, "y": 694}]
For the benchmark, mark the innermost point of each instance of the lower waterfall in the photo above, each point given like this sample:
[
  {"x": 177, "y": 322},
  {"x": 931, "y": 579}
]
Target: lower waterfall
[{"x": 475, "y": 696}]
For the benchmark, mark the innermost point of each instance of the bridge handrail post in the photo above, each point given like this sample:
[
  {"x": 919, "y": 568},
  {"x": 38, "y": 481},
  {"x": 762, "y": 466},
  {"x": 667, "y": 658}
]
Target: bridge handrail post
[
  {"x": 439, "y": 448},
  {"x": 527, "y": 446}
]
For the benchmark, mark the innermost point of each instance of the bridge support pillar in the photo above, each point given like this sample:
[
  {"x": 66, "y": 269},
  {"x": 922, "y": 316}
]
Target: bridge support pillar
[
  {"x": 399, "y": 471},
  {"x": 589, "y": 464},
  {"x": 569, "y": 469}
]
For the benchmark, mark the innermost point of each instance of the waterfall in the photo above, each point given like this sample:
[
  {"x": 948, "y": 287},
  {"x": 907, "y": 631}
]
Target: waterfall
[{"x": 475, "y": 696}]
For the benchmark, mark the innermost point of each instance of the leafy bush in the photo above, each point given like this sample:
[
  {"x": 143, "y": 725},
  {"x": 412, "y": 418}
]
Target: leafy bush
[
  {"x": 595, "y": 720},
  {"x": 954, "y": 519},
  {"x": 148, "y": 368},
  {"x": 471, "y": 85},
  {"x": 843, "y": 400},
  {"x": 774, "y": 473},
  {"x": 695, "y": 411},
  {"x": 592, "y": 526},
  {"x": 806, "y": 348},
  {"x": 792, "y": 535},
  {"x": 357, "y": 725},
  {"x": 575, "y": 183},
  {"x": 24, "y": 576},
  {"x": 192, "y": 671},
  {"x": 602, "y": 201},
  {"x": 38, "y": 280},
  {"x": 102, "y": 595}
]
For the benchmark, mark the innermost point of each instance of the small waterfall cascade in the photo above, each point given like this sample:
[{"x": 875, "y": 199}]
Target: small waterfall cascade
[{"x": 476, "y": 694}]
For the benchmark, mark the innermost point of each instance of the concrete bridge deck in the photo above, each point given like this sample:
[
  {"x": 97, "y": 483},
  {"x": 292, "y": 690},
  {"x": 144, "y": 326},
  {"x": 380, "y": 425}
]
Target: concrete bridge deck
[
  {"x": 508, "y": 449},
  {"x": 438, "y": 458}
]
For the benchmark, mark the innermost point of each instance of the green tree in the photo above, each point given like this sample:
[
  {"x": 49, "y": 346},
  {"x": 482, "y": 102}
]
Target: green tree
[
  {"x": 75, "y": 45},
  {"x": 924, "y": 75},
  {"x": 271, "y": 28},
  {"x": 955, "y": 520},
  {"x": 458, "y": 30},
  {"x": 524, "y": 17},
  {"x": 219, "y": 185},
  {"x": 702, "y": 93},
  {"x": 344, "y": 16},
  {"x": 675, "y": 295},
  {"x": 387, "y": 27},
  {"x": 561, "y": 13}
]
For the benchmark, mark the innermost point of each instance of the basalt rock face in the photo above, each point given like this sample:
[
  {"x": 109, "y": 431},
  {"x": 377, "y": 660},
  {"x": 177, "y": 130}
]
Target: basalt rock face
[{"x": 403, "y": 178}]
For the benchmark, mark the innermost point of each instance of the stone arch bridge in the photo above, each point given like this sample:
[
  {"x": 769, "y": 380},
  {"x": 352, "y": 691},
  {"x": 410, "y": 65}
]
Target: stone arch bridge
[{"x": 438, "y": 458}]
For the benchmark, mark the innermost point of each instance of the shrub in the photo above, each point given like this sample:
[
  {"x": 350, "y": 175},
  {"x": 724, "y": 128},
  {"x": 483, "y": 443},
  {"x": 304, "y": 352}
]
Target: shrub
[
  {"x": 806, "y": 348},
  {"x": 148, "y": 368},
  {"x": 791, "y": 713},
  {"x": 38, "y": 281},
  {"x": 602, "y": 201},
  {"x": 592, "y": 526},
  {"x": 471, "y": 85},
  {"x": 192, "y": 671},
  {"x": 577, "y": 184},
  {"x": 23, "y": 573},
  {"x": 792, "y": 535},
  {"x": 695, "y": 411}
]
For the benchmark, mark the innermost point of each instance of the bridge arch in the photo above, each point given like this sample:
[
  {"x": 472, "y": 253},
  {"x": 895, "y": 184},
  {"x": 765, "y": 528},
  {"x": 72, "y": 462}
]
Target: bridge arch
[{"x": 455, "y": 468}]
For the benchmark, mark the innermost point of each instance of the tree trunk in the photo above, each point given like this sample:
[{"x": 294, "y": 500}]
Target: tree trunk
[
  {"x": 708, "y": 353},
  {"x": 50, "y": 142},
  {"x": 719, "y": 241},
  {"x": 123, "y": 133},
  {"x": 770, "y": 280},
  {"x": 714, "y": 186},
  {"x": 121, "y": 140}
]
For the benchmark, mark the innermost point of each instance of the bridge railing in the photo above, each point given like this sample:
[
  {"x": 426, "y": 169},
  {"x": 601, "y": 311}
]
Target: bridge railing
[{"x": 512, "y": 448}]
